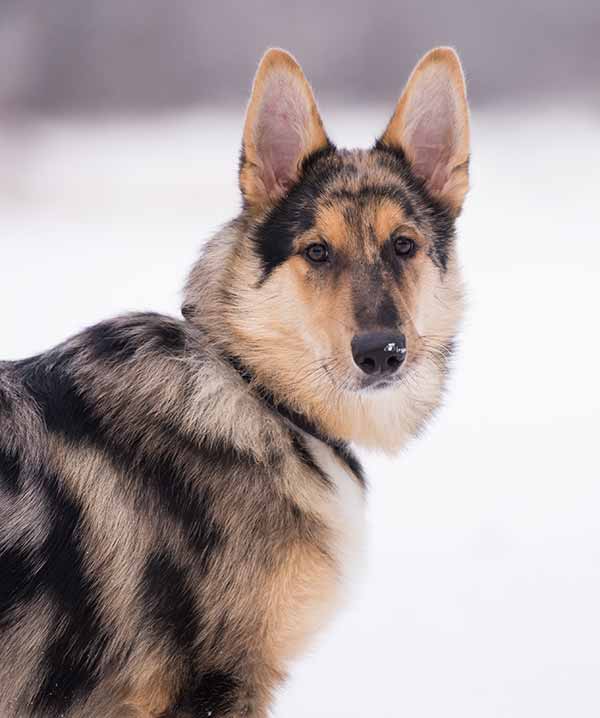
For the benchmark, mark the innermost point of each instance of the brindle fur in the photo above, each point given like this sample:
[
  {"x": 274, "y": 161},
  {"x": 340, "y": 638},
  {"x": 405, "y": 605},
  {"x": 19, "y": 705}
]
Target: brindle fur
[{"x": 178, "y": 501}]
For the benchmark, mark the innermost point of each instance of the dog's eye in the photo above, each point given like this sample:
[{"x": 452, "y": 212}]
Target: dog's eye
[
  {"x": 317, "y": 252},
  {"x": 404, "y": 246}
]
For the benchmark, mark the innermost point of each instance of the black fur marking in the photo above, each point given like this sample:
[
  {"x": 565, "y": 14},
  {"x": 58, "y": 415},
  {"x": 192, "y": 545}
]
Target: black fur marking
[
  {"x": 368, "y": 193},
  {"x": 72, "y": 660},
  {"x": 391, "y": 260},
  {"x": 169, "y": 604},
  {"x": 173, "y": 616},
  {"x": 214, "y": 694},
  {"x": 276, "y": 236},
  {"x": 444, "y": 233},
  {"x": 345, "y": 454},
  {"x": 111, "y": 341},
  {"x": 340, "y": 449},
  {"x": 170, "y": 337},
  {"x": 48, "y": 379},
  {"x": 10, "y": 471},
  {"x": 16, "y": 586},
  {"x": 296, "y": 512},
  {"x": 167, "y": 478},
  {"x": 5, "y": 398},
  {"x": 295, "y": 213},
  {"x": 310, "y": 162},
  {"x": 386, "y": 314},
  {"x": 163, "y": 476},
  {"x": 307, "y": 459},
  {"x": 118, "y": 341}
]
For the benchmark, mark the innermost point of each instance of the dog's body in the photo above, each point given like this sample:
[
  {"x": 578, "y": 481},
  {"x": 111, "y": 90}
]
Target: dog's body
[
  {"x": 172, "y": 540},
  {"x": 180, "y": 510}
]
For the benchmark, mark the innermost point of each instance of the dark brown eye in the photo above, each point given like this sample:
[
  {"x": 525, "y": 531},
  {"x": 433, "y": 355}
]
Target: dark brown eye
[
  {"x": 404, "y": 246},
  {"x": 317, "y": 252}
]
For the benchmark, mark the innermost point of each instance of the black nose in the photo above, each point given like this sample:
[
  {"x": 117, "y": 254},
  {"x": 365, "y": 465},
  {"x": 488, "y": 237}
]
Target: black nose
[{"x": 379, "y": 352}]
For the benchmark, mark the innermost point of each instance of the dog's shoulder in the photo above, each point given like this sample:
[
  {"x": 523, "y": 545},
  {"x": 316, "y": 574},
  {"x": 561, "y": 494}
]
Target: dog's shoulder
[{"x": 141, "y": 375}]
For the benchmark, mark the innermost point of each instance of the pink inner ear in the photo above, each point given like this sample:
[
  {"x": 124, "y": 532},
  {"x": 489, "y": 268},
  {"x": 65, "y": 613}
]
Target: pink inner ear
[
  {"x": 281, "y": 127},
  {"x": 431, "y": 132}
]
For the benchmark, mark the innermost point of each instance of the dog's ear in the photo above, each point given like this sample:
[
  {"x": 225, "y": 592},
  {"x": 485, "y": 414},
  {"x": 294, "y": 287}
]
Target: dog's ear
[
  {"x": 431, "y": 126},
  {"x": 282, "y": 128}
]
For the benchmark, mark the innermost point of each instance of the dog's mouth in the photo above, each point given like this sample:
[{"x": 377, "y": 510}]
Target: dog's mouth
[{"x": 379, "y": 383}]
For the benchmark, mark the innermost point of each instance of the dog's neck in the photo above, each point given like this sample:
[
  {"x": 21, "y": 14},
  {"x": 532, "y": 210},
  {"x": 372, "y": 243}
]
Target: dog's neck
[
  {"x": 384, "y": 420},
  {"x": 298, "y": 419}
]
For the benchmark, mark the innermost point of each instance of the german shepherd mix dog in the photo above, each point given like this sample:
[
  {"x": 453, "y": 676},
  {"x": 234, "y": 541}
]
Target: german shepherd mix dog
[{"x": 180, "y": 510}]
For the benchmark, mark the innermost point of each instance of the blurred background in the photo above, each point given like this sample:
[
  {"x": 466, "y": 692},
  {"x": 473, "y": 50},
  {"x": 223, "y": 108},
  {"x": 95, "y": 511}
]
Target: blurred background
[
  {"x": 120, "y": 125},
  {"x": 121, "y": 55}
]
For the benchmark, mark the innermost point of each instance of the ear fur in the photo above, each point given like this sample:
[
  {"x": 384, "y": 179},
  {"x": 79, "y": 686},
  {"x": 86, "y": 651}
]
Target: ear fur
[
  {"x": 282, "y": 128},
  {"x": 431, "y": 126}
]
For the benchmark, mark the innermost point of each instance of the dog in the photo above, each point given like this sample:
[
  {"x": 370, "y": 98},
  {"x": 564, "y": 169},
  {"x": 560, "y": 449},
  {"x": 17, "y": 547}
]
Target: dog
[{"x": 181, "y": 510}]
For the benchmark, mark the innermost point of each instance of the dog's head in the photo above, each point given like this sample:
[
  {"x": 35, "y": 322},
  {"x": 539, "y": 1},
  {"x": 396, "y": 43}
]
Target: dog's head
[{"x": 339, "y": 285}]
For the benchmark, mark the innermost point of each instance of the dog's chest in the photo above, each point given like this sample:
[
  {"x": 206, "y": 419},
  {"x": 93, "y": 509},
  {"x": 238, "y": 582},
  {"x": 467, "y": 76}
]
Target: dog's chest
[
  {"x": 343, "y": 511},
  {"x": 327, "y": 566}
]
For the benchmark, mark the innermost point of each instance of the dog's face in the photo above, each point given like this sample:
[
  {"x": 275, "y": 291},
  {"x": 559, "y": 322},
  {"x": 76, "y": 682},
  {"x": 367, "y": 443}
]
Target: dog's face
[{"x": 348, "y": 280}]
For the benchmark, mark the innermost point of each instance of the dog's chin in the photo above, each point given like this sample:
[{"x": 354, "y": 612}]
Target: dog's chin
[
  {"x": 359, "y": 383},
  {"x": 376, "y": 384}
]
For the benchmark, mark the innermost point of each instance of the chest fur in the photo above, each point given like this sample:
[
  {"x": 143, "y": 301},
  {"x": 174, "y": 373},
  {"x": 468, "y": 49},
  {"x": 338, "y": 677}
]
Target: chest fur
[
  {"x": 319, "y": 575},
  {"x": 342, "y": 510}
]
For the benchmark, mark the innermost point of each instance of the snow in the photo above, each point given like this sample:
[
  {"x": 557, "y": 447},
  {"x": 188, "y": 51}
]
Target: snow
[{"x": 483, "y": 587}]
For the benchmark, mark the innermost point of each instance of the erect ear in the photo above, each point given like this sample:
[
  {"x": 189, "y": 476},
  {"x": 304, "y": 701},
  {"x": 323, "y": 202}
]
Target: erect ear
[
  {"x": 282, "y": 128},
  {"x": 431, "y": 126}
]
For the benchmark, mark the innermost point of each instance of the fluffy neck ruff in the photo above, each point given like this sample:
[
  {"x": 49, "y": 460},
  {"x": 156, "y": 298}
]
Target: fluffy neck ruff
[{"x": 384, "y": 419}]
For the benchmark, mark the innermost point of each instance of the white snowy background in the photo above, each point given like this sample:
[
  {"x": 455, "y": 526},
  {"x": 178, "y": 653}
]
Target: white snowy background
[{"x": 482, "y": 594}]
